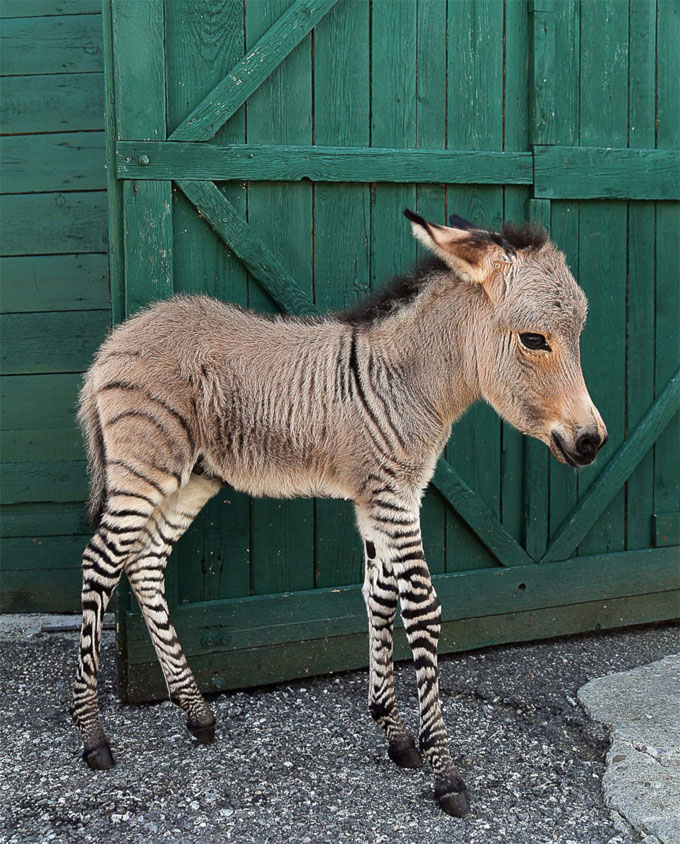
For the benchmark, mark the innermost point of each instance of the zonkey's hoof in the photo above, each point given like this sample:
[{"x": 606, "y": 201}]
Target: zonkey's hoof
[
  {"x": 203, "y": 733},
  {"x": 405, "y": 755},
  {"x": 99, "y": 758},
  {"x": 455, "y": 803}
]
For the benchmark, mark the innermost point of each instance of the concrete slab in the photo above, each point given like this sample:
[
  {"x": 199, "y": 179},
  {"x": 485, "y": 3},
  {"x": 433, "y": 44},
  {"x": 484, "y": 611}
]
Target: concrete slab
[{"x": 642, "y": 779}]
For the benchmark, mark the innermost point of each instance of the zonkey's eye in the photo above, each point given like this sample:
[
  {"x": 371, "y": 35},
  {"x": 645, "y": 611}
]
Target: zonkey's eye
[{"x": 534, "y": 341}]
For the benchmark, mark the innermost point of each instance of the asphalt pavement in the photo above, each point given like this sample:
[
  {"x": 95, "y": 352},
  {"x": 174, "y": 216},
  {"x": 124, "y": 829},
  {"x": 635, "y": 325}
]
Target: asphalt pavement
[{"x": 303, "y": 763}]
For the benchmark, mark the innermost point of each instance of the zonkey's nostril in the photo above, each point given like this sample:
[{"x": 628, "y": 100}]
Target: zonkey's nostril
[{"x": 587, "y": 444}]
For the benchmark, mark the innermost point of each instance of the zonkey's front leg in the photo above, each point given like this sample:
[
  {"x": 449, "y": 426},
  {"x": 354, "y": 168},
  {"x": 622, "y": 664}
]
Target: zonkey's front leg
[{"x": 399, "y": 566}]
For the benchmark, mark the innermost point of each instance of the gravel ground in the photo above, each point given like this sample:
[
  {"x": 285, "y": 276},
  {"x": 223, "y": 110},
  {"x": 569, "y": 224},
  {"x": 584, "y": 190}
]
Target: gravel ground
[{"x": 303, "y": 763}]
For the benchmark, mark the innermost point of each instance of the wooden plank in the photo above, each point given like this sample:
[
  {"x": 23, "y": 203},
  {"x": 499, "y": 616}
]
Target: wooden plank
[
  {"x": 341, "y": 270},
  {"x": 54, "y": 283},
  {"x": 147, "y": 240},
  {"x": 605, "y": 173},
  {"x": 555, "y": 71},
  {"x": 223, "y": 218},
  {"x": 277, "y": 663},
  {"x": 44, "y": 553},
  {"x": 603, "y": 247},
  {"x": 667, "y": 251},
  {"x": 615, "y": 473},
  {"x": 140, "y": 112},
  {"x": 75, "y": 103},
  {"x": 641, "y": 270},
  {"x": 38, "y": 8},
  {"x": 61, "y": 161},
  {"x": 51, "y": 342},
  {"x": 53, "y": 223},
  {"x": 316, "y": 614},
  {"x": 27, "y": 398},
  {"x": 252, "y": 70},
  {"x": 51, "y": 480},
  {"x": 280, "y": 112},
  {"x": 214, "y": 556},
  {"x": 475, "y": 446},
  {"x": 28, "y": 590},
  {"x": 320, "y": 163},
  {"x": 32, "y": 445},
  {"x": 69, "y": 44},
  {"x": 28, "y": 520}
]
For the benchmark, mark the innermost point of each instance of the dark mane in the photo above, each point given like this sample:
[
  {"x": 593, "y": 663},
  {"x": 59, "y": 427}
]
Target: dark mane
[
  {"x": 525, "y": 236},
  {"x": 400, "y": 291},
  {"x": 512, "y": 236}
]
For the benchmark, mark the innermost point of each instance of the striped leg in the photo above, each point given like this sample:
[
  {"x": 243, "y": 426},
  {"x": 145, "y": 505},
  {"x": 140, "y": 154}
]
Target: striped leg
[
  {"x": 103, "y": 561},
  {"x": 380, "y": 594},
  {"x": 145, "y": 571},
  {"x": 394, "y": 528}
]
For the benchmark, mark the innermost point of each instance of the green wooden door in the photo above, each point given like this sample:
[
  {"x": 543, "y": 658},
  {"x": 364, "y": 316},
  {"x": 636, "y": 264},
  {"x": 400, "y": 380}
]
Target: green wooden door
[{"x": 273, "y": 175}]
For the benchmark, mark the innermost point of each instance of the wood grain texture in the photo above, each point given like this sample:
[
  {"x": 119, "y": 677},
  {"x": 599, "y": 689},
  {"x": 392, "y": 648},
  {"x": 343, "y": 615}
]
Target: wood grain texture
[
  {"x": 53, "y": 162},
  {"x": 261, "y": 162},
  {"x": 47, "y": 480},
  {"x": 76, "y": 103},
  {"x": 606, "y": 173},
  {"x": 30, "y": 520},
  {"x": 24, "y": 399},
  {"x": 51, "y": 342},
  {"x": 260, "y": 60},
  {"x": 54, "y": 283},
  {"x": 68, "y": 44},
  {"x": 33, "y": 8},
  {"x": 53, "y": 223}
]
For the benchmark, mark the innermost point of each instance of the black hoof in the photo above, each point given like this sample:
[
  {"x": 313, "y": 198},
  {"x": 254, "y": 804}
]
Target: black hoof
[
  {"x": 203, "y": 733},
  {"x": 405, "y": 755},
  {"x": 99, "y": 758},
  {"x": 454, "y": 803}
]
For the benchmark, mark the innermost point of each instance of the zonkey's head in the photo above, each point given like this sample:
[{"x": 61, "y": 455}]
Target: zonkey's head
[{"x": 525, "y": 325}]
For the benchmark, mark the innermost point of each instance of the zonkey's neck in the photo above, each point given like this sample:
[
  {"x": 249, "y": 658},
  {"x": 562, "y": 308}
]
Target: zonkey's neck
[{"x": 432, "y": 342}]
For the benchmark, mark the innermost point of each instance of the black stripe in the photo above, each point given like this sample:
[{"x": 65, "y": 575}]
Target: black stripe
[
  {"x": 126, "y": 385},
  {"x": 138, "y": 474},
  {"x": 142, "y": 414},
  {"x": 354, "y": 369},
  {"x": 117, "y": 491}
]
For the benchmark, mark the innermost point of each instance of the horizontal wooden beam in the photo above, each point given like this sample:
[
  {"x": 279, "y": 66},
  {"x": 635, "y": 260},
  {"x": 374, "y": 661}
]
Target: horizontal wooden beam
[
  {"x": 604, "y": 173},
  {"x": 615, "y": 473},
  {"x": 252, "y": 70},
  {"x": 260, "y": 162},
  {"x": 216, "y": 672},
  {"x": 237, "y": 623}
]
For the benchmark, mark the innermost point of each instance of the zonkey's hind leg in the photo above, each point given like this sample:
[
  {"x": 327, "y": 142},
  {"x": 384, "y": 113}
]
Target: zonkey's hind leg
[
  {"x": 381, "y": 594},
  {"x": 127, "y": 511},
  {"x": 146, "y": 570},
  {"x": 393, "y": 525}
]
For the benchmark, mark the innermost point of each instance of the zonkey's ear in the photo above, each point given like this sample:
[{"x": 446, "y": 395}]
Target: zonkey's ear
[{"x": 472, "y": 254}]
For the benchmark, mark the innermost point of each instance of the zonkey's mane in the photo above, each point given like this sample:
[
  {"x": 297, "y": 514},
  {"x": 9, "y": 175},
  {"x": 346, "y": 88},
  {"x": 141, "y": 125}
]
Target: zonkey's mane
[{"x": 402, "y": 289}]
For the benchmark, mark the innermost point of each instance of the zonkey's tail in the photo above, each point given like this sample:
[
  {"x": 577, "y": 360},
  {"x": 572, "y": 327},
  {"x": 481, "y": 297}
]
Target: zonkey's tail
[{"x": 88, "y": 417}]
